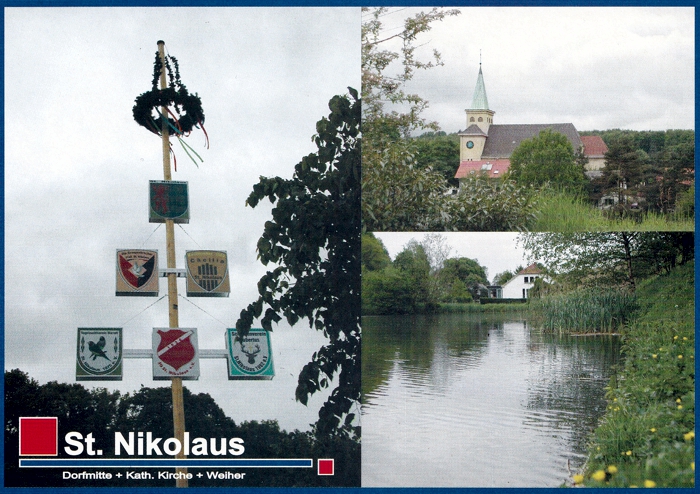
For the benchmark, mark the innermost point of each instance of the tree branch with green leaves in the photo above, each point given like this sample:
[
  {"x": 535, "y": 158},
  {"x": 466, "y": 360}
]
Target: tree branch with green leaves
[{"x": 313, "y": 240}]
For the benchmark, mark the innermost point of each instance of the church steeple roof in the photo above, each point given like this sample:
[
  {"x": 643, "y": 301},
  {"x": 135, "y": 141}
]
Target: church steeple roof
[{"x": 479, "y": 101}]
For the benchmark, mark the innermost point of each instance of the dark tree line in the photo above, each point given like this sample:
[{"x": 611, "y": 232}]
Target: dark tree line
[
  {"x": 655, "y": 170},
  {"x": 102, "y": 413},
  {"x": 652, "y": 170}
]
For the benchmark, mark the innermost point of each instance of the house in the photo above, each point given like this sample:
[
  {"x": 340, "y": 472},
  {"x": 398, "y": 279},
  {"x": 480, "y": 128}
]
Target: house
[
  {"x": 520, "y": 284},
  {"x": 495, "y": 291},
  {"x": 485, "y": 147},
  {"x": 595, "y": 149}
]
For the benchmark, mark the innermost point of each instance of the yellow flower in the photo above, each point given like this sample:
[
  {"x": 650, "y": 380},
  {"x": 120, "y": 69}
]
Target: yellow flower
[
  {"x": 678, "y": 400},
  {"x": 653, "y": 355},
  {"x": 680, "y": 356},
  {"x": 653, "y": 429},
  {"x": 578, "y": 478},
  {"x": 675, "y": 337},
  {"x": 599, "y": 475},
  {"x": 689, "y": 435},
  {"x": 680, "y": 407},
  {"x": 649, "y": 483},
  {"x": 612, "y": 469},
  {"x": 685, "y": 338},
  {"x": 692, "y": 465},
  {"x": 629, "y": 453}
]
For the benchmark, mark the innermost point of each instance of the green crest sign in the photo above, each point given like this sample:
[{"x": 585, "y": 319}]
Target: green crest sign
[
  {"x": 169, "y": 200},
  {"x": 99, "y": 355},
  {"x": 250, "y": 358}
]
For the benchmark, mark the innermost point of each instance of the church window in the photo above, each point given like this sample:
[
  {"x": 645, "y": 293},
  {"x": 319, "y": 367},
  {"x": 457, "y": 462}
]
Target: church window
[
  {"x": 471, "y": 119},
  {"x": 481, "y": 119}
]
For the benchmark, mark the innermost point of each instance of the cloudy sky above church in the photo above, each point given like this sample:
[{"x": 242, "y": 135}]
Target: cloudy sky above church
[{"x": 598, "y": 68}]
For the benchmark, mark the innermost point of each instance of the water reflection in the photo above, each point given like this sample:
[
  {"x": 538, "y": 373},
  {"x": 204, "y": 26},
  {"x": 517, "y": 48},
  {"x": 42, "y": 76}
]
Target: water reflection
[{"x": 464, "y": 400}]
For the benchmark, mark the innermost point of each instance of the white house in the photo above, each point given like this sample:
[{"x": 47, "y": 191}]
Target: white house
[{"x": 520, "y": 284}]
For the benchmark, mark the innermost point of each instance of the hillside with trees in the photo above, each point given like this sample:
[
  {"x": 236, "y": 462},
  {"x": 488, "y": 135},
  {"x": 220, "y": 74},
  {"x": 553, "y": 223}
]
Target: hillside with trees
[{"x": 656, "y": 167}]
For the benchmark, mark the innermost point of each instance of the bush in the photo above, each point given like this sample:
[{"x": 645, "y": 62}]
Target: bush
[
  {"x": 388, "y": 291},
  {"x": 484, "y": 204}
]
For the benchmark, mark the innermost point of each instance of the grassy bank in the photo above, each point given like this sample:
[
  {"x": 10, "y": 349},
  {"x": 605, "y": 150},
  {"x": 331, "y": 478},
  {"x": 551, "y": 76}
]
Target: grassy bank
[
  {"x": 560, "y": 212},
  {"x": 647, "y": 436}
]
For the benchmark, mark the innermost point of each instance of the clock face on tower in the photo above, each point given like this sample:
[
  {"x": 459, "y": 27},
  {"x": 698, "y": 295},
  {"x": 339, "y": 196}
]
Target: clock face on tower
[{"x": 470, "y": 144}]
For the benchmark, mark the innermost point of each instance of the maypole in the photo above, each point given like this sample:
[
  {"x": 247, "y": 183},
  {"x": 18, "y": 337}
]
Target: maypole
[
  {"x": 169, "y": 110},
  {"x": 173, "y": 320}
]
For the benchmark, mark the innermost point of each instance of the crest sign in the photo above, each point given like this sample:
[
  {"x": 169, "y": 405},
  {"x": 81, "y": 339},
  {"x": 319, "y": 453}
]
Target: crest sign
[
  {"x": 207, "y": 273},
  {"x": 175, "y": 353},
  {"x": 250, "y": 358},
  {"x": 169, "y": 200},
  {"x": 99, "y": 355},
  {"x": 137, "y": 273}
]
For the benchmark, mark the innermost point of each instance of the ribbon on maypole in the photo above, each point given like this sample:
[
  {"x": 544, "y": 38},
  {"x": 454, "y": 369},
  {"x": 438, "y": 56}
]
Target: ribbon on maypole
[{"x": 184, "y": 110}]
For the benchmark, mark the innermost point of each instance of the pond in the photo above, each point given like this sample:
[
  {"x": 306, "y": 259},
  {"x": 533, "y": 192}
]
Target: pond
[{"x": 464, "y": 400}]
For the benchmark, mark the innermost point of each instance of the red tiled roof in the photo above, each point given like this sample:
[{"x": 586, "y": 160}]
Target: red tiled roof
[
  {"x": 531, "y": 269},
  {"x": 593, "y": 146},
  {"x": 492, "y": 168}
]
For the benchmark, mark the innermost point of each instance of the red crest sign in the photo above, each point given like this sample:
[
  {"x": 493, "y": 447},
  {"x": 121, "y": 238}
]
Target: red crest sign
[
  {"x": 175, "y": 353},
  {"x": 137, "y": 272}
]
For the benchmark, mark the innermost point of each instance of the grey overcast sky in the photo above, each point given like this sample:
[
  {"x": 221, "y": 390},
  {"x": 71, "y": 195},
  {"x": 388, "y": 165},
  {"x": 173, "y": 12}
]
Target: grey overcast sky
[
  {"x": 77, "y": 169},
  {"x": 496, "y": 251},
  {"x": 596, "y": 67}
]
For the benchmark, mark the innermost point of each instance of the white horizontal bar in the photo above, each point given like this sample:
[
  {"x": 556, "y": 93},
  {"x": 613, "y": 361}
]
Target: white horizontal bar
[
  {"x": 148, "y": 353},
  {"x": 181, "y": 273}
]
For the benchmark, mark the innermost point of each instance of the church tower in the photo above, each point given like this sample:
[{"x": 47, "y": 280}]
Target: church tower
[
  {"x": 479, "y": 119},
  {"x": 479, "y": 112}
]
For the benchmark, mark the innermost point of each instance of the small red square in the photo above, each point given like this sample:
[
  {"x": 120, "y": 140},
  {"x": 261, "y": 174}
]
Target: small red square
[
  {"x": 326, "y": 467},
  {"x": 38, "y": 436}
]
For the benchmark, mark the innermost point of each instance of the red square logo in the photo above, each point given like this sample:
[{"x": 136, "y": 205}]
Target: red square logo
[
  {"x": 326, "y": 467},
  {"x": 38, "y": 436}
]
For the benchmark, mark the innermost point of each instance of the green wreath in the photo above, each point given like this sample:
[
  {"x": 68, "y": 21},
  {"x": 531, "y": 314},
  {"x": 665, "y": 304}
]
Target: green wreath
[{"x": 188, "y": 107}]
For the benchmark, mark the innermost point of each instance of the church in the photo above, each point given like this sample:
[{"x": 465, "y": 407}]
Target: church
[{"x": 485, "y": 147}]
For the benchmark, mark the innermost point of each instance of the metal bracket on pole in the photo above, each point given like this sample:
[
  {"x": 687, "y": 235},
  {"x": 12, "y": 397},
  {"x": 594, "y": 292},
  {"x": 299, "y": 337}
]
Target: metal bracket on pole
[
  {"x": 181, "y": 273},
  {"x": 148, "y": 353}
]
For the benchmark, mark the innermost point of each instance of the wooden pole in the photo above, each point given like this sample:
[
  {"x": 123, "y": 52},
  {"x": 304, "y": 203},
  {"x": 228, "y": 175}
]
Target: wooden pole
[{"x": 176, "y": 387}]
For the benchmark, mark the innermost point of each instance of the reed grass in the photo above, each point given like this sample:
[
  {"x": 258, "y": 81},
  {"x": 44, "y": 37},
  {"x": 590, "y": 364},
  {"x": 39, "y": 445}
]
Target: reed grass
[{"x": 588, "y": 310}]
